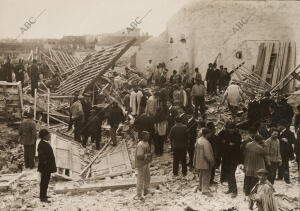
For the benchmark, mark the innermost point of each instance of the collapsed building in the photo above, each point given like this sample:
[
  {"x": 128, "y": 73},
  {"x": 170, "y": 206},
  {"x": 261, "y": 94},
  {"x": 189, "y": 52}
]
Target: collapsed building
[{"x": 261, "y": 59}]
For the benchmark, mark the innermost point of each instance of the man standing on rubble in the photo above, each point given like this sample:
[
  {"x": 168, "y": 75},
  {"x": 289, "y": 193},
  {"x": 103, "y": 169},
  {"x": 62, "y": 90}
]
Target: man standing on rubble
[
  {"x": 214, "y": 78},
  {"x": 20, "y": 72},
  {"x": 149, "y": 72},
  {"x": 231, "y": 155},
  {"x": 8, "y": 69},
  {"x": 152, "y": 104},
  {"x": 204, "y": 161},
  {"x": 179, "y": 140},
  {"x": 34, "y": 77},
  {"x": 233, "y": 95},
  {"x": 274, "y": 156},
  {"x": 143, "y": 158},
  {"x": 115, "y": 117},
  {"x": 222, "y": 80},
  {"x": 198, "y": 95},
  {"x": 208, "y": 78},
  {"x": 287, "y": 139},
  {"x": 77, "y": 118},
  {"x": 135, "y": 101},
  {"x": 213, "y": 139},
  {"x": 86, "y": 107},
  {"x": 255, "y": 155},
  {"x": 28, "y": 136}
]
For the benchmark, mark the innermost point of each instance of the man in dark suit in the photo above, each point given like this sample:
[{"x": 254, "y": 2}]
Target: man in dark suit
[
  {"x": 7, "y": 70},
  {"x": 28, "y": 135},
  {"x": 34, "y": 77},
  {"x": 179, "y": 139},
  {"x": 47, "y": 163}
]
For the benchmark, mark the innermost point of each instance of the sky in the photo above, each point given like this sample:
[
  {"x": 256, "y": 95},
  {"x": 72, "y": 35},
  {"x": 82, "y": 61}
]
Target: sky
[{"x": 81, "y": 17}]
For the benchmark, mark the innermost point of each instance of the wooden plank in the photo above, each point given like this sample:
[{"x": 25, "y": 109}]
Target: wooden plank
[
  {"x": 283, "y": 63},
  {"x": 114, "y": 184},
  {"x": 4, "y": 83},
  {"x": 9, "y": 90},
  {"x": 278, "y": 63},
  {"x": 269, "y": 47},
  {"x": 95, "y": 158},
  {"x": 7, "y": 180},
  {"x": 291, "y": 65}
]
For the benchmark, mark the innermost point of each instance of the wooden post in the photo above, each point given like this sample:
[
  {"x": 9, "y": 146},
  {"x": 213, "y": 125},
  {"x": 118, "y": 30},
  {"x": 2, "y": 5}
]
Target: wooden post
[
  {"x": 93, "y": 100},
  {"x": 48, "y": 107},
  {"x": 34, "y": 106}
]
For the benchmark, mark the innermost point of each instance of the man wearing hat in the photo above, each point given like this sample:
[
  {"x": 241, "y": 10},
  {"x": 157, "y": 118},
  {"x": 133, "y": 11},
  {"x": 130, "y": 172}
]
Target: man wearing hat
[
  {"x": 208, "y": 78},
  {"x": 77, "y": 117},
  {"x": 213, "y": 139},
  {"x": 231, "y": 155},
  {"x": 28, "y": 136},
  {"x": 114, "y": 117},
  {"x": 143, "y": 158},
  {"x": 274, "y": 155},
  {"x": 255, "y": 154},
  {"x": 34, "y": 76},
  {"x": 204, "y": 161},
  {"x": 198, "y": 96},
  {"x": 179, "y": 140},
  {"x": 152, "y": 104},
  {"x": 7, "y": 70},
  {"x": 86, "y": 106},
  {"x": 263, "y": 193},
  {"x": 163, "y": 77},
  {"x": 222, "y": 79}
]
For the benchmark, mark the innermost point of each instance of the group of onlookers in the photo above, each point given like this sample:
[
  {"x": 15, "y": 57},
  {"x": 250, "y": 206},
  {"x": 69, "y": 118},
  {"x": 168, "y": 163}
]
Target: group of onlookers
[
  {"x": 23, "y": 72},
  {"x": 265, "y": 153}
]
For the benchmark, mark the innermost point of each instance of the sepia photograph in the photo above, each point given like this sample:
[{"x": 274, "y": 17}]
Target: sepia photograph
[{"x": 138, "y": 105}]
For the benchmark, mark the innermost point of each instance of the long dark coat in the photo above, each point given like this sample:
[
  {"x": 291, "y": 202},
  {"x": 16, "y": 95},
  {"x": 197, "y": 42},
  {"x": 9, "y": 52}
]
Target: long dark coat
[{"x": 46, "y": 158}]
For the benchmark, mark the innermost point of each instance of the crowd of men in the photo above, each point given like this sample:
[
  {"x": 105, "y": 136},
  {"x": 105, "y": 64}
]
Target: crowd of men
[
  {"x": 167, "y": 109},
  {"x": 25, "y": 72},
  {"x": 171, "y": 112}
]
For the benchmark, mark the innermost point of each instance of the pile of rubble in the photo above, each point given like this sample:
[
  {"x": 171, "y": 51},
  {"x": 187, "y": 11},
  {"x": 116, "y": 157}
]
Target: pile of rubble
[
  {"x": 11, "y": 152},
  {"x": 172, "y": 194}
]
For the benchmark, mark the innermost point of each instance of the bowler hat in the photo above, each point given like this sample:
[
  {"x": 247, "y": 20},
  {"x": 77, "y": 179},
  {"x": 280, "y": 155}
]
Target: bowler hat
[{"x": 262, "y": 171}]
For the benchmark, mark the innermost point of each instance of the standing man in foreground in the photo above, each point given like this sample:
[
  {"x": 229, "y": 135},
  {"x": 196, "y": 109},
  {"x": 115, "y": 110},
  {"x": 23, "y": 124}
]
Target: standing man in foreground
[
  {"x": 179, "y": 140},
  {"x": 204, "y": 161},
  {"x": 142, "y": 159},
  {"x": 274, "y": 156},
  {"x": 47, "y": 163},
  {"x": 231, "y": 155},
  {"x": 28, "y": 136}
]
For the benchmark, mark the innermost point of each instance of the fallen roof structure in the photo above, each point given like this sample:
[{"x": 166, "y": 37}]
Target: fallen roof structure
[
  {"x": 92, "y": 68},
  {"x": 59, "y": 62}
]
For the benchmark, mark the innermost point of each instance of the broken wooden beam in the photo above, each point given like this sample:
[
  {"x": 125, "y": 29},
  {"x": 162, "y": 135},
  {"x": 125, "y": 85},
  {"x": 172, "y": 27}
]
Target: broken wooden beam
[
  {"x": 95, "y": 158},
  {"x": 113, "y": 184},
  {"x": 7, "y": 180}
]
